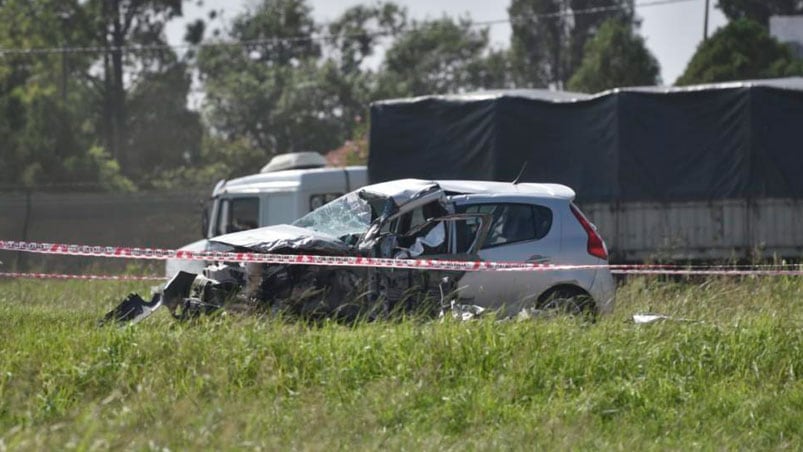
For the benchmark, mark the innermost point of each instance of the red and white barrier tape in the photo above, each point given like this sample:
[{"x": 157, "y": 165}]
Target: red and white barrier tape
[
  {"x": 634, "y": 271},
  {"x": 354, "y": 261},
  {"x": 81, "y": 277},
  {"x": 291, "y": 259}
]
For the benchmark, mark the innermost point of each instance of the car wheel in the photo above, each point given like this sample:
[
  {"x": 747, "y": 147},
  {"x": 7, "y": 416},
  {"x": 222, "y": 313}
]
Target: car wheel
[{"x": 568, "y": 302}]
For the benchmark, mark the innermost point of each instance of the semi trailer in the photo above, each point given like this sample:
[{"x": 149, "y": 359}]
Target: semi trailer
[{"x": 706, "y": 172}]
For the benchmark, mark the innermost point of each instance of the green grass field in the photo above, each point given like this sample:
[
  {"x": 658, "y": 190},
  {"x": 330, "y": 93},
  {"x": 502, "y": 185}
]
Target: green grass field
[{"x": 730, "y": 380}]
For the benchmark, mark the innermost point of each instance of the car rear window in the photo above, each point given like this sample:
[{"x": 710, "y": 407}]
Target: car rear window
[{"x": 513, "y": 222}]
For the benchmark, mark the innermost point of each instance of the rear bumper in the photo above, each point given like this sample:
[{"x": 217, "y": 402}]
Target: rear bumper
[{"x": 603, "y": 290}]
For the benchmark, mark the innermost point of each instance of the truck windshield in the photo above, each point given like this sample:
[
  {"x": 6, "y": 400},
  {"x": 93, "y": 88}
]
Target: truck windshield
[{"x": 346, "y": 215}]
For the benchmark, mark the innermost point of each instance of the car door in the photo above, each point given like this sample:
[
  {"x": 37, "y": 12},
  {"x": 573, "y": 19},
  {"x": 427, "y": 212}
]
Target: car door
[{"x": 519, "y": 232}]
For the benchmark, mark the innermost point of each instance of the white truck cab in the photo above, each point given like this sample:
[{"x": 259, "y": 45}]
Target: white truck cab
[{"x": 288, "y": 187}]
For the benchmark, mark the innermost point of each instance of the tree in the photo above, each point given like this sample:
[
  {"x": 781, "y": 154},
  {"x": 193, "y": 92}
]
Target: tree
[
  {"x": 549, "y": 36},
  {"x": 272, "y": 93},
  {"x": 439, "y": 56},
  {"x": 615, "y": 57},
  {"x": 741, "y": 50},
  {"x": 358, "y": 31},
  {"x": 45, "y": 106},
  {"x": 162, "y": 132},
  {"x": 354, "y": 38},
  {"x": 301, "y": 86},
  {"x": 118, "y": 24},
  {"x": 141, "y": 95},
  {"x": 76, "y": 114},
  {"x": 759, "y": 10}
]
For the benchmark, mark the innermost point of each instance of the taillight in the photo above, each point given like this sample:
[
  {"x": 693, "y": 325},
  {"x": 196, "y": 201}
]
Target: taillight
[{"x": 596, "y": 247}]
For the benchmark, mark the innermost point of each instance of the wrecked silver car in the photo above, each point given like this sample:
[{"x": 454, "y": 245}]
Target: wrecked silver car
[{"x": 405, "y": 219}]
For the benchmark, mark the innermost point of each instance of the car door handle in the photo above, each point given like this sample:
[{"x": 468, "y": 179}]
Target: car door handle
[{"x": 537, "y": 258}]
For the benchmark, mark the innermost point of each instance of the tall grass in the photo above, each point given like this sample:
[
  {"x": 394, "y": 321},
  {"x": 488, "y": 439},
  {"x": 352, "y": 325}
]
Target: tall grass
[{"x": 730, "y": 378}]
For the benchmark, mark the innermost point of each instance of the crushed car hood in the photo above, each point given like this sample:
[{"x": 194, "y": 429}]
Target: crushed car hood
[
  {"x": 407, "y": 194},
  {"x": 405, "y": 190},
  {"x": 279, "y": 237}
]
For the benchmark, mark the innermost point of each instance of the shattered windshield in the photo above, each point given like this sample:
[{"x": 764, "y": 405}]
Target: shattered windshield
[{"x": 349, "y": 214}]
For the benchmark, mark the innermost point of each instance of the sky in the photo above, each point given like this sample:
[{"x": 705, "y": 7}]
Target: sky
[{"x": 672, "y": 31}]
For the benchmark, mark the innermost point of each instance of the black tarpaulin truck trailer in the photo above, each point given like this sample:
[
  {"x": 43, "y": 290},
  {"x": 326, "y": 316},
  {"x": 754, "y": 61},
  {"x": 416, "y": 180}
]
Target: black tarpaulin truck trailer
[{"x": 700, "y": 172}]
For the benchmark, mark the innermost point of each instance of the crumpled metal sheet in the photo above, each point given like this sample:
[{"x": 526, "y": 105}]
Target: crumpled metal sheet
[
  {"x": 283, "y": 236},
  {"x": 133, "y": 309},
  {"x": 404, "y": 190}
]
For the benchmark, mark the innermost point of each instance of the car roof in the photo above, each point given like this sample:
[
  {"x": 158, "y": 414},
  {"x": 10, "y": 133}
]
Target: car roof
[
  {"x": 469, "y": 187},
  {"x": 527, "y": 189}
]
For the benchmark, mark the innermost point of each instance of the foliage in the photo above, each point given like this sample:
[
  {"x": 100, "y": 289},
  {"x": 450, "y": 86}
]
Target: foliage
[
  {"x": 355, "y": 38},
  {"x": 42, "y": 104},
  {"x": 436, "y": 57},
  {"x": 615, "y": 57},
  {"x": 549, "y": 36},
  {"x": 301, "y": 94},
  {"x": 273, "y": 96},
  {"x": 97, "y": 165},
  {"x": 741, "y": 50},
  {"x": 118, "y": 24},
  {"x": 354, "y": 151},
  {"x": 730, "y": 378},
  {"x": 759, "y": 10},
  {"x": 358, "y": 146},
  {"x": 62, "y": 106},
  {"x": 273, "y": 20},
  {"x": 358, "y": 31},
  {"x": 163, "y": 133},
  {"x": 219, "y": 159}
]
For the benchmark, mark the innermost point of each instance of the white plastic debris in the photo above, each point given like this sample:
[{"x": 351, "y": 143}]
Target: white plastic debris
[
  {"x": 648, "y": 318},
  {"x": 463, "y": 312},
  {"x": 652, "y": 318}
]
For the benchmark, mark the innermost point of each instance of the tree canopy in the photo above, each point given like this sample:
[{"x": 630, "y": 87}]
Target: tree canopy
[
  {"x": 759, "y": 10},
  {"x": 549, "y": 36},
  {"x": 89, "y": 118},
  {"x": 615, "y": 57},
  {"x": 436, "y": 57},
  {"x": 741, "y": 50},
  {"x": 49, "y": 118},
  {"x": 279, "y": 95}
]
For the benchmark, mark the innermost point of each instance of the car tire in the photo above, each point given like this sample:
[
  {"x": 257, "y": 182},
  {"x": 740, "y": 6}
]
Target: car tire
[{"x": 569, "y": 302}]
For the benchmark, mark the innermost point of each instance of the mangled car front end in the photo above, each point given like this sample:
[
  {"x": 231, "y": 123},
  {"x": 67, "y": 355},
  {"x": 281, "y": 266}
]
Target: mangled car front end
[{"x": 357, "y": 224}]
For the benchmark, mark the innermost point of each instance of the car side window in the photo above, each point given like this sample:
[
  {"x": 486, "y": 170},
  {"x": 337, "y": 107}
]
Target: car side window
[{"x": 513, "y": 222}]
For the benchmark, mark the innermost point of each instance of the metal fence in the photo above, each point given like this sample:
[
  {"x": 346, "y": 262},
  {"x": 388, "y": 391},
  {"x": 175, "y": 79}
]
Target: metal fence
[
  {"x": 149, "y": 219},
  {"x": 718, "y": 230}
]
